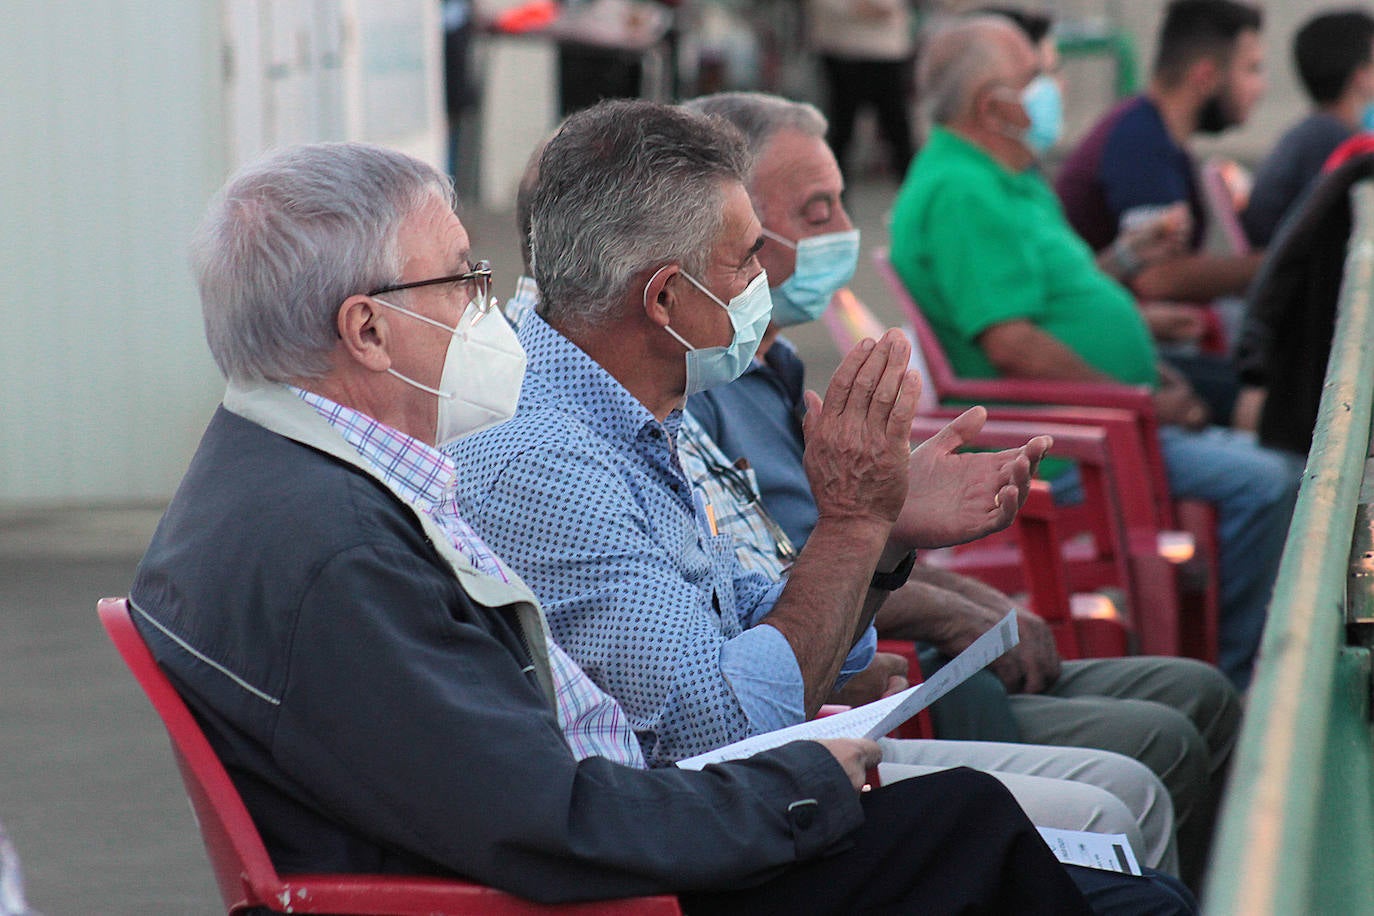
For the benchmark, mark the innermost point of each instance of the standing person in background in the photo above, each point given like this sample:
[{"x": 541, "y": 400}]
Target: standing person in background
[
  {"x": 1334, "y": 56},
  {"x": 865, "y": 48}
]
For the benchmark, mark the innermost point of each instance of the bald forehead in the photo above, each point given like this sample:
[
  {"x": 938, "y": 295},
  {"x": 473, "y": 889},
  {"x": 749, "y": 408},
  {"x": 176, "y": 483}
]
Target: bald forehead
[
  {"x": 792, "y": 165},
  {"x": 1015, "y": 54}
]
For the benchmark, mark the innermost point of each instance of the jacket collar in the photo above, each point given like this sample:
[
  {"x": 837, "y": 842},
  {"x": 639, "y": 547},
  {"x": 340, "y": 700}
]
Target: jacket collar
[{"x": 275, "y": 408}]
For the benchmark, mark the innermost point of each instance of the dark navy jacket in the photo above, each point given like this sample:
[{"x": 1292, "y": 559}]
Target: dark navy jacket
[{"x": 385, "y": 708}]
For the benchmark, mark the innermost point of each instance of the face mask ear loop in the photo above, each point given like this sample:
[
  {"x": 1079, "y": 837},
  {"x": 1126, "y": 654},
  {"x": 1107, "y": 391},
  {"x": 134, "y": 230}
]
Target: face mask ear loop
[
  {"x": 769, "y": 234},
  {"x": 651, "y": 283},
  {"x": 675, "y": 334},
  {"x": 438, "y": 324}
]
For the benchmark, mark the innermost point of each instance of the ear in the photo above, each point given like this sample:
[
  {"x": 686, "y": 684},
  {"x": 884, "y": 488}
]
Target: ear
[
  {"x": 363, "y": 333},
  {"x": 993, "y": 109},
  {"x": 985, "y": 106},
  {"x": 1205, "y": 74},
  {"x": 660, "y": 296}
]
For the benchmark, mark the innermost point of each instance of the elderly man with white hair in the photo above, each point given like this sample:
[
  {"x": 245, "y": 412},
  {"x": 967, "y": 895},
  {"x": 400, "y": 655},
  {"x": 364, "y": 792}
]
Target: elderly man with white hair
[
  {"x": 383, "y": 690},
  {"x": 983, "y": 245}
]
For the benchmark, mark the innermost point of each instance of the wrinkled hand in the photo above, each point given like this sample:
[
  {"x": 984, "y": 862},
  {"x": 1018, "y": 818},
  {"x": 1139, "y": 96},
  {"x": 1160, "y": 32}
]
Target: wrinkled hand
[
  {"x": 856, "y": 755},
  {"x": 1036, "y": 664},
  {"x": 856, "y": 440},
  {"x": 1175, "y": 402},
  {"x": 884, "y": 676},
  {"x": 1031, "y": 666},
  {"x": 955, "y": 497}
]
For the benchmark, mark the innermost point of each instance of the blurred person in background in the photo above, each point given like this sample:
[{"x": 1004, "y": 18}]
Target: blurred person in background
[
  {"x": 1334, "y": 57},
  {"x": 865, "y": 49}
]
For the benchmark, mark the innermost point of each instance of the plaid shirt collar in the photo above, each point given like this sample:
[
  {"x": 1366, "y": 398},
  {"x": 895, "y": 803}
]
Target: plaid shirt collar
[{"x": 418, "y": 473}]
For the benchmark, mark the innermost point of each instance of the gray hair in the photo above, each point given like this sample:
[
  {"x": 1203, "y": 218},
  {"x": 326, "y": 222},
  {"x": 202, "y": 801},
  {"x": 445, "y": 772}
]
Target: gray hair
[
  {"x": 957, "y": 58},
  {"x": 759, "y": 115},
  {"x": 289, "y": 238},
  {"x": 625, "y": 186}
]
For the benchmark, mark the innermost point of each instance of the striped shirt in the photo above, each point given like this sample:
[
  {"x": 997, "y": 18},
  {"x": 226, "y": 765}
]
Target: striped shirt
[{"x": 422, "y": 476}]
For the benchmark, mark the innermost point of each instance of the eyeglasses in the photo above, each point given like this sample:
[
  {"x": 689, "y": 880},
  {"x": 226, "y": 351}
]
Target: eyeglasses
[
  {"x": 478, "y": 281},
  {"x": 742, "y": 489}
]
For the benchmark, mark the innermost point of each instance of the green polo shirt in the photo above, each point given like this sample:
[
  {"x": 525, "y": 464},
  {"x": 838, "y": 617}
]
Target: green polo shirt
[{"x": 978, "y": 245}]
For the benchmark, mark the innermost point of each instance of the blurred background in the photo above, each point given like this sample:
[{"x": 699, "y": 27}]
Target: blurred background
[{"x": 120, "y": 119}]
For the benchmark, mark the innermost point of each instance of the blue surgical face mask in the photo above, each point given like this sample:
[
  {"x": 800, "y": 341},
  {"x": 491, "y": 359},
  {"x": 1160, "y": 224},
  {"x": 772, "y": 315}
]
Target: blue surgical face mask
[
  {"x": 825, "y": 263},
  {"x": 1367, "y": 118},
  {"x": 749, "y": 314},
  {"x": 1044, "y": 106}
]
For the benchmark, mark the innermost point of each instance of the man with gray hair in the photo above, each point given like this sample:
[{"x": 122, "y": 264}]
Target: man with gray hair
[
  {"x": 642, "y": 231},
  {"x": 1178, "y": 716},
  {"x": 382, "y": 689},
  {"x": 982, "y": 244}
]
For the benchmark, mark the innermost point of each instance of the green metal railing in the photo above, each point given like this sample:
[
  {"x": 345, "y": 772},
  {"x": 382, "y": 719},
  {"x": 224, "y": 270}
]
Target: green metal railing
[{"x": 1297, "y": 828}]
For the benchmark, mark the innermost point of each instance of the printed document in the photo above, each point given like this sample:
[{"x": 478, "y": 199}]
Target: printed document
[{"x": 876, "y": 719}]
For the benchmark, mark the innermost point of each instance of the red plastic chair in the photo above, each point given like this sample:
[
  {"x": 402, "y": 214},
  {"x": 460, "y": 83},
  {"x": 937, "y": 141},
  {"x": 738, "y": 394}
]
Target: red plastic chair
[
  {"x": 1086, "y": 625},
  {"x": 1064, "y": 402},
  {"x": 1065, "y": 557},
  {"x": 245, "y": 874}
]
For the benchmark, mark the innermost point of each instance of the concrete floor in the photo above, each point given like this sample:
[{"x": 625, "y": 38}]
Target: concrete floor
[{"x": 88, "y": 789}]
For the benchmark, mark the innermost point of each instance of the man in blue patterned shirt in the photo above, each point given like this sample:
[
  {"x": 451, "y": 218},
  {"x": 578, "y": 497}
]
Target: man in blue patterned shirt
[{"x": 642, "y": 231}]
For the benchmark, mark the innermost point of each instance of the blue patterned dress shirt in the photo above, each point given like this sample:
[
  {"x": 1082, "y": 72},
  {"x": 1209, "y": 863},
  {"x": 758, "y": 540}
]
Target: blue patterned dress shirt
[{"x": 582, "y": 494}]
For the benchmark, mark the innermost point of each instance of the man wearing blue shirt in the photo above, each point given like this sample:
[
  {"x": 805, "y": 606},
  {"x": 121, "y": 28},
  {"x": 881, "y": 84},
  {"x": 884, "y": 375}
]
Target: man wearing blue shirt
[
  {"x": 642, "y": 232},
  {"x": 1207, "y": 77},
  {"x": 1178, "y": 716}
]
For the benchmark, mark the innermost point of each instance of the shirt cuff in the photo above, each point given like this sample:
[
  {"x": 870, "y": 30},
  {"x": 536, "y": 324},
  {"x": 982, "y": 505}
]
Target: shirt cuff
[
  {"x": 762, "y": 671},
  {"x": 764, "y": 606}
]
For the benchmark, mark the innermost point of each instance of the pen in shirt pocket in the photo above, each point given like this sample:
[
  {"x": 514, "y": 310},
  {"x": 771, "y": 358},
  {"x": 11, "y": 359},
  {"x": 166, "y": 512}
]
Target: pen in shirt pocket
[{"x": 705, "y": 513}]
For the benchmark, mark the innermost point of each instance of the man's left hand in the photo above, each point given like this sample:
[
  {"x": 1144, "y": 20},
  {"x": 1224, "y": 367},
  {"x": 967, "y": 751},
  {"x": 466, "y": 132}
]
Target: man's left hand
[
  {"x": 1040, "y": 663},
  {"x": 884, "y": 676},
  {"x": 954, "y": 497}
]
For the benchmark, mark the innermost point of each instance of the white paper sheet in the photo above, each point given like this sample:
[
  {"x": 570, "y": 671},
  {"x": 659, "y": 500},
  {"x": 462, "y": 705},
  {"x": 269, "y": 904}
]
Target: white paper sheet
[
  {"x": 1105, "y": 851},
  {"x": 876, "y": 719}
]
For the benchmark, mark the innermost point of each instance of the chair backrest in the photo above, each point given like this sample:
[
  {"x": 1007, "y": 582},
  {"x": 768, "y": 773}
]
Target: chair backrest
[
  {"x": 243, "y": 870},
  {"x": 939, "y": 372},
  {"x": 236, "y": 852},
  {"x": 849, "y": 321}
]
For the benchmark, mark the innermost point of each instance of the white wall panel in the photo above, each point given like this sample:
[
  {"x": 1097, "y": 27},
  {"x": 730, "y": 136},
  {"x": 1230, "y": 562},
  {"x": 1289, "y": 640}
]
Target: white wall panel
[
  {"x": 118, "y": 120},
  {"x": 110, "y": 146}
]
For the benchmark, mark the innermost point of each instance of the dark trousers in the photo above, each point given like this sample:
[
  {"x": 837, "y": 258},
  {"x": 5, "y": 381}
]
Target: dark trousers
[
  {"x": 883, "y": 84},
  {"x": 950, "y": 842}
]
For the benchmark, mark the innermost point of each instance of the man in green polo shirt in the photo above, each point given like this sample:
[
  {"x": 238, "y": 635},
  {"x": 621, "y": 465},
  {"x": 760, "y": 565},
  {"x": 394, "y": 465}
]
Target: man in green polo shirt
[{"x": 982, "y": 244}]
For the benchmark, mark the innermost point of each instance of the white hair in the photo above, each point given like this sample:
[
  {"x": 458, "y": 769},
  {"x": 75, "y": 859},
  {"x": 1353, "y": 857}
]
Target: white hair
[
  {"x": 759, "y": 115},
  {"x": 957, "y": 58},
  {"x": 289, "y": 238}
]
